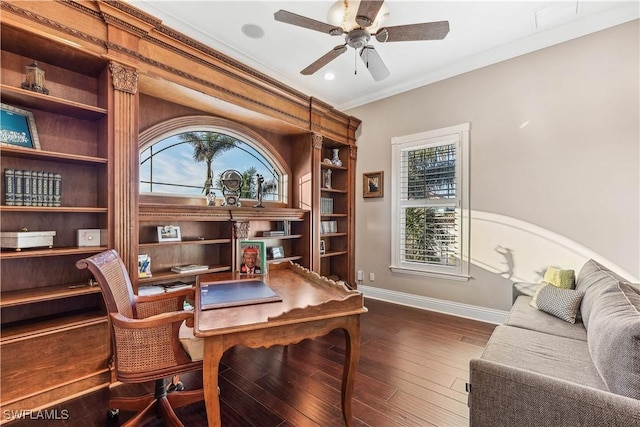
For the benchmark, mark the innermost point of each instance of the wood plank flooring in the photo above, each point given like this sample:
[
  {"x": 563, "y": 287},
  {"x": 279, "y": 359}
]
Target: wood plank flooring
[{"x": 413, "y": 370}]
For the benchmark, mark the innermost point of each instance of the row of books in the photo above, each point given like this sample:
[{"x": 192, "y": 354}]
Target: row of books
[
  {"x": 326, "y": 205},
  {"x": 32, "y": 188},
  {"x": 328, "y": 227}
]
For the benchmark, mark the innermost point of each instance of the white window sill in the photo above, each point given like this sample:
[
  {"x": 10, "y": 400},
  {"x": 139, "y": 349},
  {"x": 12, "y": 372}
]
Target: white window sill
[{"x": 448, "y": 276}]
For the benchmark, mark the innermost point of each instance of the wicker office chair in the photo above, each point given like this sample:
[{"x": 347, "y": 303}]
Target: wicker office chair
[{"x": 145, "y": 332}]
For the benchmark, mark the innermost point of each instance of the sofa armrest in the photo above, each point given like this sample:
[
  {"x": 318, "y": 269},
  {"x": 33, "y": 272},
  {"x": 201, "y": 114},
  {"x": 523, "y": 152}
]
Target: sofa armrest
[{"x": 504, "y": 395}]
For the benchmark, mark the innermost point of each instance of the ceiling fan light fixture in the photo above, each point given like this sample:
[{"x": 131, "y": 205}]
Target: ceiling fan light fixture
[{"x": 343, "y": 13}]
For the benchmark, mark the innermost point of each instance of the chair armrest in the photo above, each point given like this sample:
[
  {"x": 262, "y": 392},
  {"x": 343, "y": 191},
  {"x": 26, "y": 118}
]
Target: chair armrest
[
  {"x": 149, "y": 344},
  {"x": 150, "y": 305},
  {"x": 155, "y": 321}
]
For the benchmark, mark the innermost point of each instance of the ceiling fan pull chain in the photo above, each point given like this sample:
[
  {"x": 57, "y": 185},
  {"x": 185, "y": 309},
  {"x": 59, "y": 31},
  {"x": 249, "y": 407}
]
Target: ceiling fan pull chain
[{"x": 355, "y": 62}]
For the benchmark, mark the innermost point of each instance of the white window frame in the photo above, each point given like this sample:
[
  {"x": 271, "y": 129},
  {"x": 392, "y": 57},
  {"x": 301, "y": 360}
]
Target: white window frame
[{"x": 458, "y": 135}]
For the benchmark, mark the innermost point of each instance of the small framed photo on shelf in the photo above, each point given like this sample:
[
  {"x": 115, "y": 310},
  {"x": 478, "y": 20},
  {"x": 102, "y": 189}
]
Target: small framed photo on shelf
[
  {"x": 169, "y": 233},
  {"x": 18, "y": 127},
  {"x": 252, "y": 258},
  {"x": 276, "y": 252},
  {"x": 373, "y": 184},
  {"x": 323, "y": 248}
]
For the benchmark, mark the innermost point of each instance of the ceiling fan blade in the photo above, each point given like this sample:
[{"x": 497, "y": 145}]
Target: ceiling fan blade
[
  {"x": 304, "y": 22},
  {"x": 425, "y": 31},
  {"x": 324, "y": 60},
  {"x": 374, "y": 63},
  {"x": 367, "y": 12}
]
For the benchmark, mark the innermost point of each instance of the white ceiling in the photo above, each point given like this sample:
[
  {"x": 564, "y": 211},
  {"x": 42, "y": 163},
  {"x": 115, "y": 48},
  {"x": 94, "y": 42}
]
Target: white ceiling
[{"x": 481, "y": 33}]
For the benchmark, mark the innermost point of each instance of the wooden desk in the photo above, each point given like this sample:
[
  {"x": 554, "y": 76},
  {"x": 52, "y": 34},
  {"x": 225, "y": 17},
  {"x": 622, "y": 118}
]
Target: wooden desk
[{"x": 311, "y": 306}]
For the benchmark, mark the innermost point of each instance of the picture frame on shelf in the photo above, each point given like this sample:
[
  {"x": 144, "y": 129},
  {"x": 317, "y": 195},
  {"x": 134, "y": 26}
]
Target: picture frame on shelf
[
  {"x": 252, "y": 257},
  {"x": 18, "y": 127},
  {"x": 169, "y": 233},
  {"x": 276, "y": 252},
  {"x": 323, "y": 248},
  {"x": 373, "y": 184}
]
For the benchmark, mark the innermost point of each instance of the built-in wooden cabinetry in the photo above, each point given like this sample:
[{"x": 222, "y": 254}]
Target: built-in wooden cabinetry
[
  {"x": 114, "y": 72},
  {"x": 335, "y": 225},
  {"x": 209, "y": 236},
  {"x": 46, "y": 303}
]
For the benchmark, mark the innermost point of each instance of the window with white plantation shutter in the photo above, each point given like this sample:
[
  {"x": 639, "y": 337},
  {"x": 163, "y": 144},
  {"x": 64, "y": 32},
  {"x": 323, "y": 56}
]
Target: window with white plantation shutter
[{"x": 430, "y": 220}]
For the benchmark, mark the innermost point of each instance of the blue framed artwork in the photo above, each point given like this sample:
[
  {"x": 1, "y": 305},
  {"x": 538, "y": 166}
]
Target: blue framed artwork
[{"x": 18, "y": 127}]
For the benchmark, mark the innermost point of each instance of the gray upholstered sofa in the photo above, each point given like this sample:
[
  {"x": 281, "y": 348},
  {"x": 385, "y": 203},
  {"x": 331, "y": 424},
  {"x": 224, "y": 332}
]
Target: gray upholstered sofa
[{"x": 540, "y": 370}]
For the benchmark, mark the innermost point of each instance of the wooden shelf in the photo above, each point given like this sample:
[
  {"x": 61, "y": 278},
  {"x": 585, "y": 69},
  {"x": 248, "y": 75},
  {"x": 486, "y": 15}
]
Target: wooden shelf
[
  {"x": 26, "y": 153},
  {"x": 334, "y": 167},
  {"x": 285, "y": 259},
  {"x": 38, "y": 327},
  {"x": 185, "y": 242},
  {"x": 331, "y": 254},
  {"x": 28, "y": 99},
  {"x": 333, "y": 190},
  {"x": 322, "y": 236},
  {"x": 47, "y": 293},
  {"x": 170, "y": 275},
  {"x": 50, "y": 209},
  {"x": 283, "y": 237},
  {"x": 33, "y": 253}
]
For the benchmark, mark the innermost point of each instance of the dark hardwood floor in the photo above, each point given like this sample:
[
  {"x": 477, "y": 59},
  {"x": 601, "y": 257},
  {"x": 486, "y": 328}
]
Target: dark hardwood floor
[{"x": 413, "y": 369}]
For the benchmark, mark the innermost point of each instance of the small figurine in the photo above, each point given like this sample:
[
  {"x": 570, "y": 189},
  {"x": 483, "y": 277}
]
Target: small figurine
[{"x": 260, "y": 181}]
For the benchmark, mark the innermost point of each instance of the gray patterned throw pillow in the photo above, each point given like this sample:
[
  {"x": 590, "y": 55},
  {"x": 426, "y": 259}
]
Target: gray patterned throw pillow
[{"x": 561, "y": 303}]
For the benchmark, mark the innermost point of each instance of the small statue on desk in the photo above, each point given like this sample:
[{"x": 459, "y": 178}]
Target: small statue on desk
[{"x": 260, "y": 180}]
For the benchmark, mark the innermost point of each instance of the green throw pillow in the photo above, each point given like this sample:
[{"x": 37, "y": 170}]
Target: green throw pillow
[{"x": 565, "y": 279}]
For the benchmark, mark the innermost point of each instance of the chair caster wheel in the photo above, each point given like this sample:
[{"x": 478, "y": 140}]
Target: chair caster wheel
[{"x": 112, "y": 414}]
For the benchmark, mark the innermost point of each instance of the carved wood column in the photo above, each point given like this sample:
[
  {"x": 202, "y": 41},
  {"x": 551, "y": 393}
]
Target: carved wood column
[
  {"x": 124, "y": 164},
  {"x": 316, "y": 180}
]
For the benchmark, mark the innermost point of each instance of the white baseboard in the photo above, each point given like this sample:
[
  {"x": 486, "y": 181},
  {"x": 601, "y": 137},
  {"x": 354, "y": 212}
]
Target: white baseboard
[{"x": 482, "y": 314}]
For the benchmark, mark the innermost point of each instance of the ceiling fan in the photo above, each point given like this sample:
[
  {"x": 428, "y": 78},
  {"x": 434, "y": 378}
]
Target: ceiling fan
[{"x": 358, "y": 33}]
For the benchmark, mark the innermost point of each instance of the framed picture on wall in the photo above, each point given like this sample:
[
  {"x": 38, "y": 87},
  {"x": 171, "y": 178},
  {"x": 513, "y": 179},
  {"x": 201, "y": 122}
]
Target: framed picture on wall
[
  {"x": 373, "y": 184},
  {"x": 18, "y": 127}
]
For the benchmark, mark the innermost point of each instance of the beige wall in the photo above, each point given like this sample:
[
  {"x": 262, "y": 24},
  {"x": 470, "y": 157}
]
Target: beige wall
[{"x": 555, "y": 166}]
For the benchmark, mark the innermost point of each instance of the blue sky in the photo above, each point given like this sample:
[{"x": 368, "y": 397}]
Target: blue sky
[{"x": 176, "y": 165}]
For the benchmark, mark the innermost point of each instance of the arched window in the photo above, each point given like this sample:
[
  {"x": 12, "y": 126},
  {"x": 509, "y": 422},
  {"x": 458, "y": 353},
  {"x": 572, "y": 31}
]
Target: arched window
[{"x": 186, "y": 156}]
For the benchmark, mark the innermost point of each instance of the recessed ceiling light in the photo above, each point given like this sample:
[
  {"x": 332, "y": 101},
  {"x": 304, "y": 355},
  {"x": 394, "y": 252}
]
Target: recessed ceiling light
[
  {"x": 253, "y": 31},
  {"x": 329, "y": 76}
]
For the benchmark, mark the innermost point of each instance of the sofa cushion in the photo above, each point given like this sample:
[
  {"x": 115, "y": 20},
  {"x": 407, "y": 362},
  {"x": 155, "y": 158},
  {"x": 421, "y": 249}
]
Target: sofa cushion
[
  {"x": 592, "y": 279},
  {"x": 614, "y": 338},
  {"x": 545, "y": 354},
  {"x": 522, "y": 315},
  {"x": 559, "y": 302},
  {"x": 565, "y": 279}
]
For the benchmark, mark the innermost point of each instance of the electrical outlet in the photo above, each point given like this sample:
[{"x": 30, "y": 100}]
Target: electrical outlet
[
  {"x": 360, "y": 275},
  {"x": 372, "y": 277}
]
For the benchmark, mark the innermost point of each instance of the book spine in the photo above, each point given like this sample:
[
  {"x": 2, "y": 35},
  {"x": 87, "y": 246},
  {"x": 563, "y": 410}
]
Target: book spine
[
  {"x": 57, "y": 189},
  {"x": 19, "y": 181},
  {"x": 50, "y": 184},
  {"x": 10, "y": 187},
  {"x": 26, "y": 188},
  {"x": 34, "y": 188},
  {"x": 40, "y": 188}
]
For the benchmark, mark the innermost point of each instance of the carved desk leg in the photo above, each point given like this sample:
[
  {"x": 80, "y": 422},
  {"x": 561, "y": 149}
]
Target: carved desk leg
[
  {"x": 212, "y": 354},
  {"x": 351, "y": 359}
]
